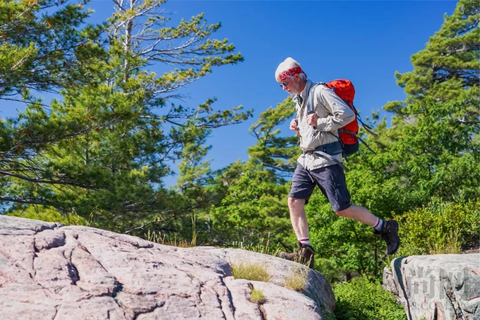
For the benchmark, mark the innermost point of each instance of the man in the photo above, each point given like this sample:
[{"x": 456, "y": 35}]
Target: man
[{"x": 321, "y": 161}]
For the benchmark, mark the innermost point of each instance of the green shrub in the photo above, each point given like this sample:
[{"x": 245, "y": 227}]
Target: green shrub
[
  {"x": 441, "y": 227},
  {"x": 329, "y": 270},
  {"x": 362, "y": 299},
  {"x": 49, "y": 215}
]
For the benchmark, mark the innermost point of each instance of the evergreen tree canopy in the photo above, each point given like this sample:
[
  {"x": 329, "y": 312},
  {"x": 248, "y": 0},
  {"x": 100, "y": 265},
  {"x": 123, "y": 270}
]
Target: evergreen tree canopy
[
  {"x": 275, "y": 152},
  {"x": 449, "y": 64},
  {"x": 43, "y": 46},
  {"x": 103, "y": 147}
]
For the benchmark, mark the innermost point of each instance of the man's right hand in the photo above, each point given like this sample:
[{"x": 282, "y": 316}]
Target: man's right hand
[{"x": 294, "y": 125}]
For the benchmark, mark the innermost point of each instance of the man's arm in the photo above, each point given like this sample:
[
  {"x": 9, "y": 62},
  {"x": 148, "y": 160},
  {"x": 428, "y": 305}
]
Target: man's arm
[{"x": 339, "y": 113}]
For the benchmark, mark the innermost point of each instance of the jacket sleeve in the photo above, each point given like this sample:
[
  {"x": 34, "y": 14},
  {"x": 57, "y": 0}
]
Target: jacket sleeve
[{"x": 339, "y": 114}]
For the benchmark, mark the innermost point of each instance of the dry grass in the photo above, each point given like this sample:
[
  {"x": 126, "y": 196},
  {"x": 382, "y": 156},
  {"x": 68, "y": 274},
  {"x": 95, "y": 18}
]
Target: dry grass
[
  {"x": 264, "y": 248},
  {"x": 296, "y": 281},
  {"x": 157, "y": 237},
  {"x": 250, "y": 271}
]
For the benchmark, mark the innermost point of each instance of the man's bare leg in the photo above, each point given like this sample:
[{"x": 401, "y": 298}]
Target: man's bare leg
[
  {"x": 358, "y": 213},
  {"x": 298, "y": 217},
  {"x": 388, "y": 229}
]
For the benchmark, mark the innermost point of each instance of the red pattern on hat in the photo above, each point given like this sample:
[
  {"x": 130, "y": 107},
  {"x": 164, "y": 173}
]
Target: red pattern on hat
[{"x": 288, "y": 73}]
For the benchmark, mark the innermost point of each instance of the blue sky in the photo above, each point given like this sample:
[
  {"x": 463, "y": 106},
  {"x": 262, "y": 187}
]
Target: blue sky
[{"x": 364, "y": 41}]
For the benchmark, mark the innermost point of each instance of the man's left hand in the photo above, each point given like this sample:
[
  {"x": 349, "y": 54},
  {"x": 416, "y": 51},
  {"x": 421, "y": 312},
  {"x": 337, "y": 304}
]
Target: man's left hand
[{"x": 312, "y": 119}]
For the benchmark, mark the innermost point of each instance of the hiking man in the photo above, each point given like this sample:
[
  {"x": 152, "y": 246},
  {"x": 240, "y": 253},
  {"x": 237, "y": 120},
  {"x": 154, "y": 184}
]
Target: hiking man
[{"x": 321, "y": 161}]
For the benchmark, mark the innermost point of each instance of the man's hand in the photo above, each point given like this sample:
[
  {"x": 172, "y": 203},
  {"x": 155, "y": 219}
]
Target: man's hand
[
  {"x": 294, "y": 125},
  {"x": 312, "y": 119}
]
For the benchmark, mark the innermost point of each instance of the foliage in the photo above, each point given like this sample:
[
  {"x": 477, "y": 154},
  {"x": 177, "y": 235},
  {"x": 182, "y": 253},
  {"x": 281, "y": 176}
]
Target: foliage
[
  {"x": 449, "y": 65},
  {"x": 102, "y": 149},
  {"x": 440, "y": 227},
  {"x": 428, "y": 157},
  {"x": 362, "y": 298},
  {"x": 349, "y": 246},
  {"x": 326, "y": 267},
  {"x": 253, "y": 208},
  {"x": 250, "y": 271},
  {"x": 145, "y": 31},
  {"x": 196, "y": 186},
  {"x": 273, "y": 151},
  {"x": 253, "y": 196},
  {"x": 50, "y": 215},
  {"x": 43, "y": 46}
]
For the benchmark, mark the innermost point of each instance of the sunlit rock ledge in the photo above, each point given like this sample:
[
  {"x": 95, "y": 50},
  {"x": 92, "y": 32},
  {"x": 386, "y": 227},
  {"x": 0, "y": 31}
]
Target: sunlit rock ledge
[{"x": 51, "y": 271}]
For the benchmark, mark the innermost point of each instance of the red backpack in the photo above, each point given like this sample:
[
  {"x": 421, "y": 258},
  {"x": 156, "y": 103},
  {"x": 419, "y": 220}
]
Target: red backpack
[{"x": 345, "y": 90}]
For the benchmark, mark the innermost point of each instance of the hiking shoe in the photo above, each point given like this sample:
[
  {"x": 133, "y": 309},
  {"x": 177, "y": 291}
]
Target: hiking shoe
[
  {"x": 389, "y": 233},
  {"x": 304, "y": 255}
]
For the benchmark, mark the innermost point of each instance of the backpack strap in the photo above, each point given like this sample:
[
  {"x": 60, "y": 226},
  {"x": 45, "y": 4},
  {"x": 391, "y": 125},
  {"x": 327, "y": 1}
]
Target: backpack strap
[
  {"x": 310, "y": 103},
  {"x": 365, "y": 126},
  {"x": 310, "y": 99},
  {"x": 359, "y": 139}
]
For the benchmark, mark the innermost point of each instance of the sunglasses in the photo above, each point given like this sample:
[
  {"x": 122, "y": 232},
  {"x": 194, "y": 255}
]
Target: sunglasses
[{"x": 284, "y": 84}]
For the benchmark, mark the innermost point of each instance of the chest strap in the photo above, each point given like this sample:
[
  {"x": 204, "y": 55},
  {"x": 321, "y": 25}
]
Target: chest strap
[{"x": 327, "y": 150}]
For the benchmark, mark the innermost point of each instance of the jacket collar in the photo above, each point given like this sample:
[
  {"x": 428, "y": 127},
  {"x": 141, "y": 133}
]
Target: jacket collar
[{"x": 304, "y": 93}]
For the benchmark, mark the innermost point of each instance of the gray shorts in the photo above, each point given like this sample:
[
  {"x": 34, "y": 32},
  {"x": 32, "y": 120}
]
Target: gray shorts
[{"x": 330, "y": 180}]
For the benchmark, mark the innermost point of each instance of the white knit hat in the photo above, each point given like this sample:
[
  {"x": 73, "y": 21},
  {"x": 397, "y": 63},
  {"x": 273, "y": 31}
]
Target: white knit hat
[{"x": 287, "y": 68}]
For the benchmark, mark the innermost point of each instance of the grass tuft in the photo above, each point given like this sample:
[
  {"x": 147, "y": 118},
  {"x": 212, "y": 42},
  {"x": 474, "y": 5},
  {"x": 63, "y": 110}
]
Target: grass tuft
[
  {"x": 157, "y": 237},
  {"x": 250, "y": 271},
  {"x": 296, "y": 281},
  {"x": 257, "y": 296}
]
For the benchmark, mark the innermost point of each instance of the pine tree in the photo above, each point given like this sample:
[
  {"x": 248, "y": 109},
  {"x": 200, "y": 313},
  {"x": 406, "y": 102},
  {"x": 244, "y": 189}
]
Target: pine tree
[
  {"x": 273, "y": 151},
  {"x": 194, "y": 185},
  {"x": 253, "y": 208},
  {"x": 43, "y": 46},
  {"x": 449, "y": 64},
  {"x": 109, "y": 141}
]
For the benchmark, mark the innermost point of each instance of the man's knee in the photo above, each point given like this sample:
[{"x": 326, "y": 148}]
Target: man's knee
[
  {"x": 341, "y": 213},
  {"x": 345, "y": 212},
  {"x": 294, "y": 203}
]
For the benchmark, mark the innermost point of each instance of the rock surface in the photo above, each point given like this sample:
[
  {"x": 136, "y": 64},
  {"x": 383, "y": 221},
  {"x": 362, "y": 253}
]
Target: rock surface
[
  {"x": 436, "y": 287},
  {"x": 50, "y": 271}
]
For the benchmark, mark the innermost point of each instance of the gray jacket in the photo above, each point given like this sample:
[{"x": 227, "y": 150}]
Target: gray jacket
[{"x": 332, "y": 114}]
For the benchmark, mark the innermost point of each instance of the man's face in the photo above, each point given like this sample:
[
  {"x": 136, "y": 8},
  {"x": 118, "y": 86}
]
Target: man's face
[{"x": 291, "y": 85}]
